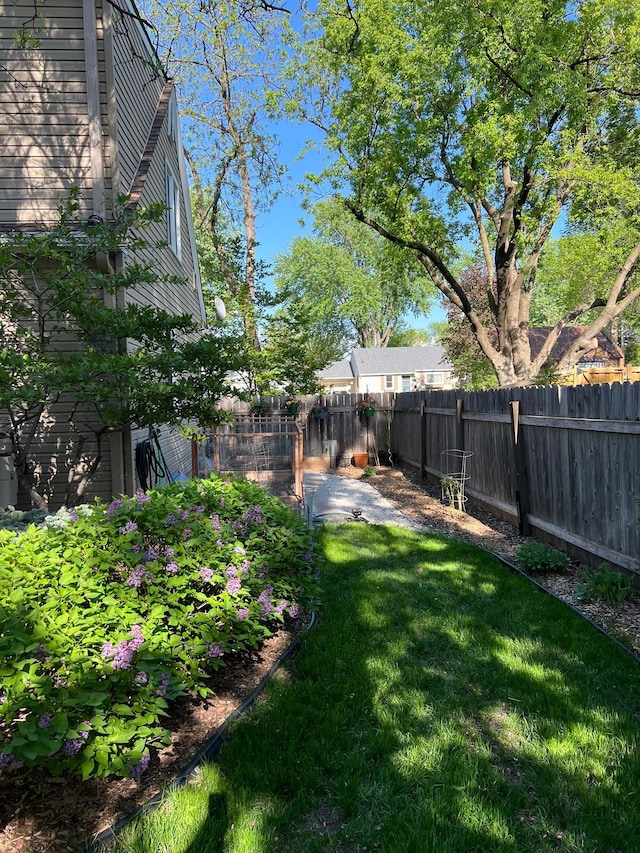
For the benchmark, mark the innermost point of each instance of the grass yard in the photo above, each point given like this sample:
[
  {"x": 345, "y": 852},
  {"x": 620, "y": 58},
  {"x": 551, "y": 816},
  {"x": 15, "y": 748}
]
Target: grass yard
[{"x": 440, "y": 704}]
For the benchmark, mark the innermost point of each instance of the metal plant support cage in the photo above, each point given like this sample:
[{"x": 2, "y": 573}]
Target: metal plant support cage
[{"x": 454, "y": 478}]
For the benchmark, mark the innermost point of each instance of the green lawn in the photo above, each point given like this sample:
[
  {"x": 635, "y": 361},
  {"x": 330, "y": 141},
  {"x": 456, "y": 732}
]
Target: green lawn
[{"x": 440, "y": 704}]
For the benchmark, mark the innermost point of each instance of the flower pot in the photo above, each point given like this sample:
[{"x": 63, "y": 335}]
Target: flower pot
[
  {"x": 293, "y": 409},
  {"x": 368, "y": 413},
  {"x": 360, "y": 460}
]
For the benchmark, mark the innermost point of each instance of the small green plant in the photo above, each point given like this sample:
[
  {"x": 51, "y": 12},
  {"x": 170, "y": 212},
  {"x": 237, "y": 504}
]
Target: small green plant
[
  {"x": 604, "y": 583},
  {"x": 537, "y": 557},
  {"x": 259, "y": 407},
  {"x": 453, "y": 493},
  {"x": 369, "y": 472}
]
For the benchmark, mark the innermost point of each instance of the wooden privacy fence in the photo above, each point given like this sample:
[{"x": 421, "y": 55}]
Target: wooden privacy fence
[{"x": 562, "y": 462}]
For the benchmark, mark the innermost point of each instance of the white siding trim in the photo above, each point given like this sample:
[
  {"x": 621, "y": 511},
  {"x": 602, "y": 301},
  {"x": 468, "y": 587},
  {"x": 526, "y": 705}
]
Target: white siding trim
[
  {"x": 173, "y": 196},
  {"x": 93, "y": 105},
  {"x": 197, "y": 282}
]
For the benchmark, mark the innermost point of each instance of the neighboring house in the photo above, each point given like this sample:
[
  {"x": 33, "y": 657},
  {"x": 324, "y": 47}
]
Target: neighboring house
[
  {"x": 602, "y": 363},
  {"x": 85, "y": 104},
  {"x": 371, "y": 370}
]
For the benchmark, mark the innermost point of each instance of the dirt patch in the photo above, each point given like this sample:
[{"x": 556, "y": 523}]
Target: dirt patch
[{"x": 420, "y": 501}]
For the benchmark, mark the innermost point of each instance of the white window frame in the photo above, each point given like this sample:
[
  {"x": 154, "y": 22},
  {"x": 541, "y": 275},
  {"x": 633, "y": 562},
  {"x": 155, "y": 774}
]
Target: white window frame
[
  {"x": 434, "y": 378},
  {"x": 406, "y": 382},
  {"x": 173, "y": 211},
  {"x": 388, "y": 381}
]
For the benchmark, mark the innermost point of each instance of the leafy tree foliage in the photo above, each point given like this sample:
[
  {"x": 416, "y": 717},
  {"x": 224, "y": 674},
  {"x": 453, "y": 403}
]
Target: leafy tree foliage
[
  {"x": 223, "y": 58},
  {"x": 351, "y": 283},
  {"x": 70, "y": 335},
  {"x": 486, "y": 122}
]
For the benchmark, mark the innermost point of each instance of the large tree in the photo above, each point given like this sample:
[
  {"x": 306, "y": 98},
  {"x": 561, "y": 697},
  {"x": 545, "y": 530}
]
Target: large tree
[
  {"x": 222, "y": 56},
  {"x": 487, "y": 122},
  {"x": 350, "y": 281}
]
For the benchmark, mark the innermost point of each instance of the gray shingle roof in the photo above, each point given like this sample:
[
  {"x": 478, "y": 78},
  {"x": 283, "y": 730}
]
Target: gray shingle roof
[
  {"x": 406, "y": 360},
  {"x": 337, "y": 370}
]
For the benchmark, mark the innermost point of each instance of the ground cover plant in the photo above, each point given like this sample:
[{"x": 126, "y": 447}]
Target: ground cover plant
[
  {"x": 111, "y": 614},
  {"x": 440, "y": 703},
  {"x": 537, "y": 557}
]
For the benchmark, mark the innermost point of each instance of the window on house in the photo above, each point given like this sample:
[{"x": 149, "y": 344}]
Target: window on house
[
  {"x": 433, "y": 379},
  {"x": 388, "y": 381},
  {"x": 173, "y": 212},
  {"x": 406, "y": 383}
]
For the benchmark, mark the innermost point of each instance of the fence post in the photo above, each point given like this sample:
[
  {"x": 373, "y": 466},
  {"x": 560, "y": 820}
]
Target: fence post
[
  {"x": 194, "y": 458},
  {"x": 423, "y": 438},
  {"x": 522, "y": 481},
  {"x": 459, "y": 425}
]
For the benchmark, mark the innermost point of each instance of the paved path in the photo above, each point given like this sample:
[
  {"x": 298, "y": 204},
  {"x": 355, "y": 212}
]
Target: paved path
[{"x": 330, "y": 497}]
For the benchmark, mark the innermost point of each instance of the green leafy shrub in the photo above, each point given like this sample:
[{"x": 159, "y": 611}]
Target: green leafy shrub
[
  {"x": 105, "y": 620},
  {"x": 369, "y": 472},
  {"x": 604, "y": 583},
  {"x": 537, "y": 557}
]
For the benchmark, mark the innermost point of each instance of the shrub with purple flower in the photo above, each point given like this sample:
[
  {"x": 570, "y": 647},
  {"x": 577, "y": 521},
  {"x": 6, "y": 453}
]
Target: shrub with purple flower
[{"x": 159, "y": 644}]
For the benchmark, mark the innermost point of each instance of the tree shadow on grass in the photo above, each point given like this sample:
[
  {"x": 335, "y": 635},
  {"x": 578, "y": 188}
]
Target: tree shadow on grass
[{"x": 440, "y": 704}]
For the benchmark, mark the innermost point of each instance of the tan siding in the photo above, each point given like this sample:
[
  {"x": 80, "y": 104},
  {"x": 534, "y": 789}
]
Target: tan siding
[
  {"x": 43, "y": 101},
  {"x": 138, "y": 89}
]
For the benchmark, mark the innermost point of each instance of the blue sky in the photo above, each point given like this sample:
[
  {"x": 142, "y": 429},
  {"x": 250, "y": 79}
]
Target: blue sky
[{"x": 281, "y": 224}]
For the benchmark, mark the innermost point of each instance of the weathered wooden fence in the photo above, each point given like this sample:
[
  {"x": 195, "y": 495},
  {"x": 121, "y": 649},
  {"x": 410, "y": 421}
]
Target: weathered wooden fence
[{"x": 563, "y": 462}]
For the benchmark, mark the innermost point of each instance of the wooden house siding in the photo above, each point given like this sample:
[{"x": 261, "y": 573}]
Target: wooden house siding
[
  {"x": 43, "y": 98},
  {"x": 78, "y": 111},
  {"x": 138, "y": 87}
]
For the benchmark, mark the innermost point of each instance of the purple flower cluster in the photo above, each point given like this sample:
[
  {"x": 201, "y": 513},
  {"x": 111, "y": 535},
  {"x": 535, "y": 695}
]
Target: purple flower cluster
[
  {"x": 137, "y": 576},
  {"x": 72, "y": 746},
  {"x": 215, "y": 650},
  {"x": 123, "y": 653},
  {"x": 44, "y": 720},
  {"x": 242, "y": 614},
  {"x": 170, "y": 520},
  {"x": 172, "y": 568},
  {"x": 5, "y": 759},
  {"x": 151, "y": 555},
  {"x": 265, "y": 602},
  {"x": 142, "y": 497},
  {"x": 138, "y": 769},
  {"x": 231, "y": 572},
  {"x": 183, "y": 514},
  {"x": 239, "y": 550},
  {"x": 197, "y": 509},
  {"x": 73, "y": 514},
  {"x": 129, "y": 527},
  {"x": 280, "y": 608},
  {"x": 253, "y": 515},
  {"x": 215, "y": 522},
  {"x": 141, "y": 677},
  {"x": 206, "y": 574},
  {"x": 113, "y": 508},
  {"x": 164, "y": 683},
  {"x": 294, "y": 610},
  {"x": 233, "y": 586}
]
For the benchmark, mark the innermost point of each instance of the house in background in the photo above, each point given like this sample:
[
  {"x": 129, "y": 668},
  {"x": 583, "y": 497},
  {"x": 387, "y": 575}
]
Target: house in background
[
  {"x": 603, "y": 363},
  {"x": 376, "y": 369},
  {"x": 85, "y": 104}
]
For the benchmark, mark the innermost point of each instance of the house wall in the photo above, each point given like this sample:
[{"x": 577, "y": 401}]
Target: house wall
[
  {"x": 44, "y": 135},
  {"x": 88, "y": 65}
]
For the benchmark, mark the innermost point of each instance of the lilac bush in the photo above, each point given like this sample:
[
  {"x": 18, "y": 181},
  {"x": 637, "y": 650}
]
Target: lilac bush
[{"x": 105, "y": 621}]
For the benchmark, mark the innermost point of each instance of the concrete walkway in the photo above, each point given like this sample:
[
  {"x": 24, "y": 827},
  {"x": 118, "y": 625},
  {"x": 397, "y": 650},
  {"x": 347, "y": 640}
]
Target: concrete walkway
[{"x": 332, "y": 498}]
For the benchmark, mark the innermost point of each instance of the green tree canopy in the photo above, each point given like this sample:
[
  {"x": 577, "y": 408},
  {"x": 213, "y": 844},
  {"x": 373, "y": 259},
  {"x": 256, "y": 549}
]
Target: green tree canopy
[
  {"x": 352, "y": 284},
  {"x": 487, "y": 122}
]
